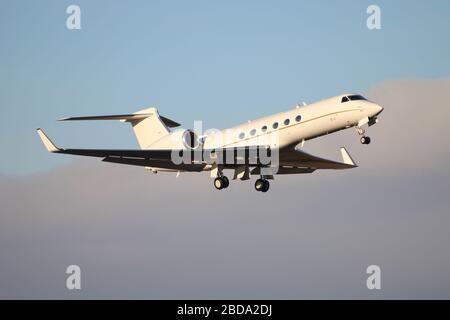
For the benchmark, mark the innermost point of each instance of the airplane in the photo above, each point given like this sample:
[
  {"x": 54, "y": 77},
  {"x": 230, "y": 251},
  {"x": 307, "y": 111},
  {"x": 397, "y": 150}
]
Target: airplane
[{"x": 263, "y": 147}]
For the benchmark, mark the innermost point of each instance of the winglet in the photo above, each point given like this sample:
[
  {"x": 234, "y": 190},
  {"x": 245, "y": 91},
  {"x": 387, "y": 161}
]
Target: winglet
[
  {"x": 49, "y": 145},
  {"x": 347, "y": 158}
]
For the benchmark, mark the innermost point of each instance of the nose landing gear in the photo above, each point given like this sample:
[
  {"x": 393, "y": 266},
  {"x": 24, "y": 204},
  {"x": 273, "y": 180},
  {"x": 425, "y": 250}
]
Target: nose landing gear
[
  {"x": 364, "y": 139},
  {"x": 262, "y": 185}
]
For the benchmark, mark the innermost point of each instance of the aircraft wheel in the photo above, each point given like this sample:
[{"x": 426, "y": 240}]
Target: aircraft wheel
[
  {"x": 219, "y": 183},
  {"x": 226, "y": 182},
  {"x": 259, "y": 184},
  {"x": 266, "y": 186},
  {"x": 365, "y": 140}
]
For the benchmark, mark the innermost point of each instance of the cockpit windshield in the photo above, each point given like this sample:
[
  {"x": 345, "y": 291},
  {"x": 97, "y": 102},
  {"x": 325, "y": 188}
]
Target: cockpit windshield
[
  {"x": 356, "y": 97},
  {"x": 353, "y": 98}
]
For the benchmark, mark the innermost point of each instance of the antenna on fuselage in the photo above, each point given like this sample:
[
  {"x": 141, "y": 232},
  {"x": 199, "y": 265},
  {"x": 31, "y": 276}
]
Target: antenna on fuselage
[{"x": 302, "y": 105}]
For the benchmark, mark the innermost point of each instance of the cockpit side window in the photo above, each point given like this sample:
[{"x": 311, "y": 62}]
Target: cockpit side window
[
  {"x": 344, "y": 99},
  {"x": 357, "y": 97}
]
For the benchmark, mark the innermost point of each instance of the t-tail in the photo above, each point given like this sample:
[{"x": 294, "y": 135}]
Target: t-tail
[{"x": 148, "y": 125}]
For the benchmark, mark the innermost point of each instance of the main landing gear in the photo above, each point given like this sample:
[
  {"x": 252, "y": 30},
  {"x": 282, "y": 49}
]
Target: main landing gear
[
  {"x": 262, "y": 185},
  {"x": 221, "y": 182},
  {"x": 364, "y": 139}
]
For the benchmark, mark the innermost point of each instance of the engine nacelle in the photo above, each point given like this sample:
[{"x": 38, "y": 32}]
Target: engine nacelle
[
  {"x": 190, "y": 139},
  {"x": 179, "y": 139}
]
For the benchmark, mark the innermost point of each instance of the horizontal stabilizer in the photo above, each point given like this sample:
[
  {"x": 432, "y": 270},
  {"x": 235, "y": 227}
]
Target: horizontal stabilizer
[
  {"x": 125, "y": 117},
  {"x": 110, "y": 117}
]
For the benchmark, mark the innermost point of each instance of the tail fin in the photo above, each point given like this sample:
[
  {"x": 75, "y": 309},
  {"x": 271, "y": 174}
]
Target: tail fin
[
  {"x": 147, "y": 124},
  {"x": 148, "y": 129}
]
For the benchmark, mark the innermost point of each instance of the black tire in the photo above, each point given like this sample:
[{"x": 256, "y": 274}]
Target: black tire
[
  {"x": 367, "y": 140},
  {"x": 226, "y": 182},
  {"x": 218, "y": 183},
  {"x": 363, "y": 140},
  {"x": 266, "y": 186},
  {"x": 259, "y": 184}
]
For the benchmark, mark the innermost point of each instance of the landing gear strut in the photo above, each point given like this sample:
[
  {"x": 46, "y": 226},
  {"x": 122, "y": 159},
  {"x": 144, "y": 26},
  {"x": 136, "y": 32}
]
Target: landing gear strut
[
  {"x": 364, "y": 139},
  {"x": 262, "y": 185},
  {"x": 221, "y": 182}
]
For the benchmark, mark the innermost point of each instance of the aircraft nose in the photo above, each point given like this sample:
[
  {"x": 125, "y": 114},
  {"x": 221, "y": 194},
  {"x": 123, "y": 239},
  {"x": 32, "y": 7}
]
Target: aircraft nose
[
  {"x": 376, "y": 109},
  {"x": 379, "y": 109}
]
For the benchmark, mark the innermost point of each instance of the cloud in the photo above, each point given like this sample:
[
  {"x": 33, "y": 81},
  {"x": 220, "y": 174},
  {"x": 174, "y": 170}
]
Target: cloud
[
  {"x": 416, "y": 117},
  {"x": 140, "y": 235}
]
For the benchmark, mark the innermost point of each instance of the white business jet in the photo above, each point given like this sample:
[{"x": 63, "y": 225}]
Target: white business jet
[{"x": 264, "y": 147}]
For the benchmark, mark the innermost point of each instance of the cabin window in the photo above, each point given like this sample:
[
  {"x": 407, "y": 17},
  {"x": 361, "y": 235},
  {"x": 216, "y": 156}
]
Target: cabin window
[
  {"x": 286, "y": 122},
  {"x": 253, "y": 132},
  {"x": 241, "y": 135},
  {"x": 275, "y": 125},
  {"x": 344, "y": 99},
  {"x": 298, "y": 118},
  {"x": 264, "y": 129}
]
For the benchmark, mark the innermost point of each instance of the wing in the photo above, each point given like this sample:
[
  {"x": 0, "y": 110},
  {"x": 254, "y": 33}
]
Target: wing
[
  {"x": 293, "y": 158},
  {"x": 182, "y": 159},
  {"x": 290, "y": 161}
]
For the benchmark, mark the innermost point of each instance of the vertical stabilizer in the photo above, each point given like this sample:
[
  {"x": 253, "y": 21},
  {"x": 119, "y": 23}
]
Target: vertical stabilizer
[{"x": 149, "y": 128}]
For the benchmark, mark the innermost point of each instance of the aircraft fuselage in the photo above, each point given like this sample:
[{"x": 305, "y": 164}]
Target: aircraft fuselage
[{"x": 299, "y": 124}]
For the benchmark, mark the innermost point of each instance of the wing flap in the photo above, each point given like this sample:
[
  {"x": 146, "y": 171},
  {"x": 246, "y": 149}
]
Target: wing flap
[
  {"x": 285, "y": 170},
  {"x": 124, "y": 153},
  {"x": 155, "y": 163}
]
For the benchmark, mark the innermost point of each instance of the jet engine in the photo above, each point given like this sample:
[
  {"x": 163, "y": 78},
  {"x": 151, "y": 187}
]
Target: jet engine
[
  {"x": 179, "y": 139},
  {"x": 190, "y": 139}
]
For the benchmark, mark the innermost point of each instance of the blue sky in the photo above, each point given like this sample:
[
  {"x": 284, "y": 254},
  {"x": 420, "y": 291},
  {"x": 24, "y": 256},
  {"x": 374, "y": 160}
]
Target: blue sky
[
  {"x": 311, "y": 236},
  {"x": 219, "y": 61}
]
